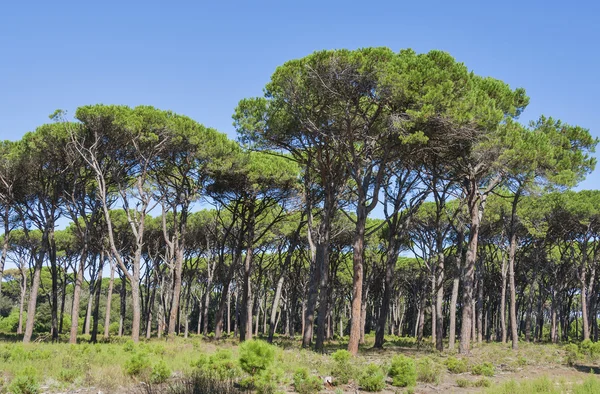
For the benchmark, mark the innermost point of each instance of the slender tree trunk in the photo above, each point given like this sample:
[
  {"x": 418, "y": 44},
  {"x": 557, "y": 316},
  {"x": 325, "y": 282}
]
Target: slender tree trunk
[
  {"x": 246, "y": 322},
  {"x": 97, "y": 292},
  {"x": 513, "y": 291},
  {"x": 357, "y": 283},
  {"x": 22, "y": 298},
  {"x": 109, "y": 301},
  {"x": 469, "y": 271},
  {"x": 455, "y": 287},
  {"x": 76, "y": 296},
  {"x": 439, "y": 302},
  {"x": 33, "y": 293}
]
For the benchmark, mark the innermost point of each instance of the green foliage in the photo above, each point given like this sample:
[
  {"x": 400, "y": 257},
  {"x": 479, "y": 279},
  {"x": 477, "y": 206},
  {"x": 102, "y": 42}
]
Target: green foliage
[
  {"x": 485, "y": 369},
  {"x": 572, "y": 355},
  {"x": 256, "y": 356},
  {"x": 25, "y": 382},
  {"x": 342, "y": 369},
  {"x": 160, "y": 372},
  {"x": 129, "y": 346},
  {"x": 483, "y": 382},
  {"x": 462, "y": 382},
  {"x": 220, "y": 364},
  {"x": 305, "y": 383},
  {"x": 591, "y": 385},
  {"x": 10, "y": 322},
  {"x": 137, "y": 364},
  {"x": 456, "y": 365},
  {"x": 403, "y": 371},
  {"x": 372, "y": 378},
  {"x": 428, "y": 371},
  {"x": 68, "y": 375}
]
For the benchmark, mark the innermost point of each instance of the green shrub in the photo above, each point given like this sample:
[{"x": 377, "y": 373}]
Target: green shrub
[
  {"x": 266, "y": 381},
  {"x": 590, "y": 385},
  {"x": 462, "y": 382},
  {"x": 403, "y": 371},
  {"x": 129, "y": 346},
  {"x": 342, "y": 370},
  {"x": 304, "y": 383},
  {"x": 428, "y": 371},
  {"x": 256, "y": 356},
  {"x": 220, "y": 364},
  {"x": 572, "y": 354},
  {"x": 483, "y": 382},
  {"x": 137, "y": 364},
  {"x": 485, "y": 369},
  {"x": 10, "y": 322},
  {"x": 68, "y": 375},
  {"x": 372, "y": 378},
  {"x": 160, "y": 372},
  {"x": 456, "y": 365},
  {"x": 25, "y": 382}
]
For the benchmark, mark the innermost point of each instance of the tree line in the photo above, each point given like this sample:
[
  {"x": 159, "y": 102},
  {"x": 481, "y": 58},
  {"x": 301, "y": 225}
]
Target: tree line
[{"x": 350, "y": 160}]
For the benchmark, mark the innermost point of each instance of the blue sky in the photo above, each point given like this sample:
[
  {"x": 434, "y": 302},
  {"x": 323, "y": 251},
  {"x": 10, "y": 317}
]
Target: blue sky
[{"x": 199, "y": 59}]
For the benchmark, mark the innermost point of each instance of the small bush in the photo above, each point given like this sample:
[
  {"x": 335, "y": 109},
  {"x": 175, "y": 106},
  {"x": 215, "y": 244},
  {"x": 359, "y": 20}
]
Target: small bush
[
  {"x": 304, "y": 383},
  {"x": 256, "y": 356},
  {"x": 68, "y": 375},
  {"x": 129, "y": 346},
  {"x": 220, "y": 364},
  {"x": 372, "y": 378},
  {"x": 483, "y": 382},
  {"x": 403, "y": 371},
  {"x": 461, "y": 382},
  {"x": 137, "y": 364},
  {"x": 342, "y": 370},
  {"x": 264, "y": 382},
  {"x": 428, "y": 371},
  {"x": 25, "y": 382},
  {"x": 572, "y": 354},
  {"x": 485, "y": 369},
  {"x": 456, "y": 365},
  {"x": 201, "y": 382},
  {"x": 160, "y": 372}
]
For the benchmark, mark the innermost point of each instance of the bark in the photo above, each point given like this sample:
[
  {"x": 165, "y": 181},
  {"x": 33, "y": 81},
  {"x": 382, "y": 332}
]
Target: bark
[
  {"x": 469, "y": 271},
  {"x": 246, "y": 321},
  {"x": 357, "y": 283},
  {"x": 76, "y": 296},
  {"x": 109, "y": 301},
  {"x": 33, "y": 293},
  {"x": 98, "y": 292}
]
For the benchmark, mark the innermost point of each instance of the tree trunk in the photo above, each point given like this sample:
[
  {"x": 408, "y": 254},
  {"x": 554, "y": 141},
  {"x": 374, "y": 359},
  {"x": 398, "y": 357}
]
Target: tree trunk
[
  {"x": 33, "y": 293},
  {"x": 76, "y": 296},
  {"x": 469, "y": 271},
  {"x": 357, "y": 283},
  {"x": 109, "y": 301}
]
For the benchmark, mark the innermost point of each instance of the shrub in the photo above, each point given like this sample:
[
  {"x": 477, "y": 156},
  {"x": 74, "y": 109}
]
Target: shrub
[
  {"x": 461, "y": 382},
  {"x": 485, "y": 369},
  {"x": 342, "y": 370},
  {"x": 590, "y": 385},
  {"x": 129, "y": 346},
  {"x": 220, "y": 364},
  {"x": 483, "y": 382},
  {"x": 202, "y": 382},
  {"x": 428, "y": 371},
  {"x": 160, "y": 372},
  {"x": 25, "y": 382},
  {"x": 137, "y": 364},
  {"x": 403, "y": 371},
  {"x": 456, "y": 365},
  {"x": 265, "y": 382},
  {"x": 256, "y": 356},
  {"x": 572, "y": 354},
  {"x": 372, "y": 378},
  {"x": 304, "y": 383},
  {"x": 68, "y": 375}
]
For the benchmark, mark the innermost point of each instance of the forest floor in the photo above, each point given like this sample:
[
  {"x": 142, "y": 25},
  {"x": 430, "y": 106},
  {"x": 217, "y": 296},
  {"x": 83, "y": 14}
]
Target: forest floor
[{"x": 123, "y": 367}]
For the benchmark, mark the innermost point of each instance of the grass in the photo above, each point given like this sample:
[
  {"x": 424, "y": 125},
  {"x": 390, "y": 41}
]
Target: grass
[{"x": 121, "y": 365}]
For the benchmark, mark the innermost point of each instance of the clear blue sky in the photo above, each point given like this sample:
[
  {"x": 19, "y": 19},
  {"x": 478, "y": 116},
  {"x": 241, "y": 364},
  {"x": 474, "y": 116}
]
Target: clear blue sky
[{"x": 199, "y": 58}]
